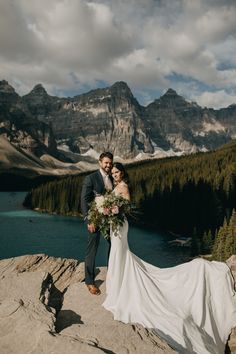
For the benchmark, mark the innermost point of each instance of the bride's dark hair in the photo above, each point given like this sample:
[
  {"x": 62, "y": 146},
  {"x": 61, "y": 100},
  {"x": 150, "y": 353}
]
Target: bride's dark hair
[{"x": 121, "y": 168}]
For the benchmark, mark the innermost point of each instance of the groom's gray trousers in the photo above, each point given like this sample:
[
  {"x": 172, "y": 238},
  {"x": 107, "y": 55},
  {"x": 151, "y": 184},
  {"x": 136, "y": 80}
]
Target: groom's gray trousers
[
  {"x": 93, "y": 185},
  {"x": 91, "y": 251}
]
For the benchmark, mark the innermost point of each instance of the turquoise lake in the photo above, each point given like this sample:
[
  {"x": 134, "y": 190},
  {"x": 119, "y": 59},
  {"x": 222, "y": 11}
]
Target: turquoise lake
[{"x": 24, "y": 231}]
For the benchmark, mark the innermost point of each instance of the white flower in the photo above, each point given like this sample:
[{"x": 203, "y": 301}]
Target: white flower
[{"x": 99, "y": 202}]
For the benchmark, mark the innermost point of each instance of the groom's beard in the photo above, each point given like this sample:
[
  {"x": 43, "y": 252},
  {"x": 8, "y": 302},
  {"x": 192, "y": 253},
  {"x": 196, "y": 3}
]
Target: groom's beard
[{"x": 107, "y": 170}]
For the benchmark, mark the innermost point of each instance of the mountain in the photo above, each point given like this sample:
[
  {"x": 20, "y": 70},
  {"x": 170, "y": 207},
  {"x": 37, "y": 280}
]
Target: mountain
[
  {"x": 102, "y": 119},
  {"x": 13, "y": 157},
  {"x": 182, "y": 126},
  {"x": 71, "y": 129},
  {"x": 18, "y": 161},
  {"x": 21, "y": 127}
]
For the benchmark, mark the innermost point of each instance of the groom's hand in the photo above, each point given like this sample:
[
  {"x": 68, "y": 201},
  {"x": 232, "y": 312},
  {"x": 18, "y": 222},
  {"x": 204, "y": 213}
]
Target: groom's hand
[{"x": 91, "y": 228}]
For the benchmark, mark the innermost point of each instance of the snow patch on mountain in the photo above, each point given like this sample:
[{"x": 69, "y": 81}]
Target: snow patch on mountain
[
  {"x": 209, "y": 126},
  {"x": 92, "y": 153}
]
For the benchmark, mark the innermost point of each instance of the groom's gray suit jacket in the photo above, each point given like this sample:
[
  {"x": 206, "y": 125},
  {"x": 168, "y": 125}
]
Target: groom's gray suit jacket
[{"x": 93, "y": 185}]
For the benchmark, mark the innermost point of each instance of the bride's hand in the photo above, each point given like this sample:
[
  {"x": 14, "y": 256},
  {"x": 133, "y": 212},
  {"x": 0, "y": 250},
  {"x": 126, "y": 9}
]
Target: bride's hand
[{"x": 91, "y": 228}]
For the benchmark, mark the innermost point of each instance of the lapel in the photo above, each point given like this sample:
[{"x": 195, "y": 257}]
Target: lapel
[
  {"x": 111, "y": 180},
  {"x": 101, "y": 179}
]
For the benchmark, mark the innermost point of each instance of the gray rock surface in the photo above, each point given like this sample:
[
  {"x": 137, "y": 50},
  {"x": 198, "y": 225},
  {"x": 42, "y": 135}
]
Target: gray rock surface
[
  {"x": 174, "y": 123},
  {"x": 45, "y": 308},
  {"x": 231, "y": 262},
  {"x": 102, "y": 119},
  {"x": 20, "y": 162},
  {"x": 112, "y": 119},
  {"x": 96, "y": 325},
  {"x": 21, "y": 127}
]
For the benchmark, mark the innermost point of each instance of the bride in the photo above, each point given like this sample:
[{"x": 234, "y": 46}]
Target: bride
[{"x": 192, "y": 306}]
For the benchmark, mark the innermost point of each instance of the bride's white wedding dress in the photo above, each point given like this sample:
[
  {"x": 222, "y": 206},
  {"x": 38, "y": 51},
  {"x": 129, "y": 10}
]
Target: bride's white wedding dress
[{"x": 192, "y": 306}]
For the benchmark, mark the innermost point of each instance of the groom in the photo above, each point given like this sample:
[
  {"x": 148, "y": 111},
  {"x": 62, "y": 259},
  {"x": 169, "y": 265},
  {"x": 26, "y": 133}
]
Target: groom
[{"x": 95, "y": 183}]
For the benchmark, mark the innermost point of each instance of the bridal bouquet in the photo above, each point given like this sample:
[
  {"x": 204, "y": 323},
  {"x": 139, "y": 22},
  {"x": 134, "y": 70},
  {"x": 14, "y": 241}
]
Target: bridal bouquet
[{"x": 107, "y": 212}]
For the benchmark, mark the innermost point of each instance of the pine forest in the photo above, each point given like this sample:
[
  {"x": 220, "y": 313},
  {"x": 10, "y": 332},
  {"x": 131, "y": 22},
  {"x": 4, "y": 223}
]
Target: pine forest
[{"x": 192, "y": 195}]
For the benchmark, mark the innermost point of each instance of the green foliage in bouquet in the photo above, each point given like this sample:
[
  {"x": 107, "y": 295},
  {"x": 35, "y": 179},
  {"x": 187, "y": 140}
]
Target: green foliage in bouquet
[{"x": 107, "y": 212}]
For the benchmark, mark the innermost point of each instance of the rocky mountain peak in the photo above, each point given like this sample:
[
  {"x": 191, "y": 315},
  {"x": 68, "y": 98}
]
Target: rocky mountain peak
[
  {"x": 38, "y": 101},
  {"x": 102, "y": 117},
  {"x": 233, "y": 105},
  {"x": 38, "y": 90},
  {"x": 121, "y": 88},
  {"x": 170, "y": 92},
  {"x": 8, "y": 94},
  {"x": 170, "y": 100},
  {"x": 6, "y": 88},
  {"x": 172, "y": 96}
]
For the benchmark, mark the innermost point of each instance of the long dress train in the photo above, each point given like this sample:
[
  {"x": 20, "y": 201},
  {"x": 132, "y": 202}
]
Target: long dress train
[{"x": 192, "y": 306}]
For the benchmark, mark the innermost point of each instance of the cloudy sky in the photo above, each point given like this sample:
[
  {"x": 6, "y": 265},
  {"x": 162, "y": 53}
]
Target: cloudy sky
[{"x": 72, "y": 46}]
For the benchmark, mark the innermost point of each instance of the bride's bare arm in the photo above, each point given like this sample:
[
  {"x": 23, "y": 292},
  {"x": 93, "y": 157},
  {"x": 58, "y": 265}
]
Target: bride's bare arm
[{"x": 124, "y": 191}]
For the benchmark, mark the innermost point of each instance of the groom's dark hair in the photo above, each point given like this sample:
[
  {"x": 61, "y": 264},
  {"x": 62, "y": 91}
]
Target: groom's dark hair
[{"x": 106, "y": 154}]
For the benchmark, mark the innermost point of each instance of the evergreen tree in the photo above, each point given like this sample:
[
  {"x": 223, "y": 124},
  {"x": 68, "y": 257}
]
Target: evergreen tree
[
  {"x": 230, "y": 242},
  {"x": 219, "y": 245},
  {"x": 174, "y": 194},
  {"x": 206, "y": 245},
  {"x": 194, "y": 243}
]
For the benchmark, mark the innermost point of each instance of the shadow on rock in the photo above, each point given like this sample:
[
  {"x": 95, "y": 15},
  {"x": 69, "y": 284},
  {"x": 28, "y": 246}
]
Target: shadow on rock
[
  {"x": 56, "y": 298},
  {"x": 67, "y": 318}
]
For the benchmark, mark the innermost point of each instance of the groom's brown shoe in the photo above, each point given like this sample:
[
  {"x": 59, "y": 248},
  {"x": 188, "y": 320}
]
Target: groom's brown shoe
[{"x": 93, "y": 289}]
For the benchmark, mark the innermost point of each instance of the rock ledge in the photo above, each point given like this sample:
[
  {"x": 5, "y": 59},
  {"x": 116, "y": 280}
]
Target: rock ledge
[{"x": 46, "y": 308}]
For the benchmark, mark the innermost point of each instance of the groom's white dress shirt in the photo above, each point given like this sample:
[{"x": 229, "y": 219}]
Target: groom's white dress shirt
[{"x": 106, "y": 179}]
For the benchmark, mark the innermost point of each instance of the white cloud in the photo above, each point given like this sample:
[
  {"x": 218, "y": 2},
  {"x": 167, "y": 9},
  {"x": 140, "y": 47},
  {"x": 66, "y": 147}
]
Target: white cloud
[
  {"x": 66, "y": 44},
  {"x": 218, "y": 99},
  {"x": 48, "y": 43},
  {"x": 217, "y": 23}
]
